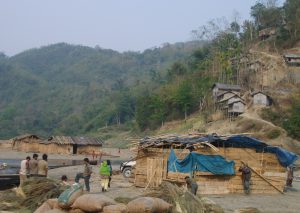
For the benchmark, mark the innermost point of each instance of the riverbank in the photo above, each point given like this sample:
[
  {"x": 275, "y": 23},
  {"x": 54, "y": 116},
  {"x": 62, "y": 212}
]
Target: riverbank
[{"x": 13, "y": 158}]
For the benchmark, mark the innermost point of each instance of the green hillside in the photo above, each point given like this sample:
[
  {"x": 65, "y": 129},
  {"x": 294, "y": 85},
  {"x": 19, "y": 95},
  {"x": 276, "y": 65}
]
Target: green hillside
[{"x": 68, "y": 89}]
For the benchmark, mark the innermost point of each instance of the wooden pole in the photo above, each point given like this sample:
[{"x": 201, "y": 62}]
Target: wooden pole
[{"x": 262, "y": 177}]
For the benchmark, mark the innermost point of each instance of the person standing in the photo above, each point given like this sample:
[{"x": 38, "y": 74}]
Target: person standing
[
  {"x": 191, "y": 185},
  {"x": 104, "y": 174},
  {"x": 110, "y": 168},
  {"x": 43, "y": 166},
  {"x": 86, "y": 174},
  {"x": 246, "y": 177},
  {"x": 24, "y": 170},
  {"x": 33, "y": 165},
  {"x": 290, "y": 176}
]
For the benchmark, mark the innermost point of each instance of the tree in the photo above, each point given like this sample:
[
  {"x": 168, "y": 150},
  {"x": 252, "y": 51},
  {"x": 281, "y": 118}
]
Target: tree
[
  {"x": 292, "y": 16},
  {"x": 184, "y": 98},
  {"x": 292, "y": 124},
  {"x": 177, "y": 69}
]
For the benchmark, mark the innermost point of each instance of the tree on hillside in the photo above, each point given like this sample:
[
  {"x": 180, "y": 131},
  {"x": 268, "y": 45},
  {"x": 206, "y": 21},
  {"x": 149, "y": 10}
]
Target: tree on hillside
[
  {"x": 266, "y": 15},
  {"x": 292, "y": 16},
  {"x": 292, "y": 123},
  {"x": 184, "y": 98}
]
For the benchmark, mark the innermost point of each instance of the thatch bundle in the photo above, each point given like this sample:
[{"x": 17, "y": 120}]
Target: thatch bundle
[
  {"x": 183, "y": 201},
  {"x": 34, "y": 192},
  {"x": 38, "y": 190}
]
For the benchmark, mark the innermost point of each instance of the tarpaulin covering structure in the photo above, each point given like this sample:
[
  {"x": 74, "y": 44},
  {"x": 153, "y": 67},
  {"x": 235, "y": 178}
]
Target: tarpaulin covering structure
[
  {"x": 285, "y": 157},
  {"x": 214, "y": 164}
]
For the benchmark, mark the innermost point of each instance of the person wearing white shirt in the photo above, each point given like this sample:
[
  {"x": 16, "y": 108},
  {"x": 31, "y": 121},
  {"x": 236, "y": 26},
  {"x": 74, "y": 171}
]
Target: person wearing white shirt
[{"x": 24, "y": 170}]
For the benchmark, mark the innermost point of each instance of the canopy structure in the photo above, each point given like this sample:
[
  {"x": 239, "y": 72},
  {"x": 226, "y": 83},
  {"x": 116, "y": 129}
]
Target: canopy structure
[
  {"x": 214, "y": 164},
  {"x": 285, "y": 157}
]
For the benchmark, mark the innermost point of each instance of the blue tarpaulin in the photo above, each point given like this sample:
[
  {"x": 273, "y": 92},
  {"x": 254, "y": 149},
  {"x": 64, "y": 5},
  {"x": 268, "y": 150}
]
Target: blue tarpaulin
[
  {"x": 214, "y": 164},
  {"x": 285, "y": 157}
]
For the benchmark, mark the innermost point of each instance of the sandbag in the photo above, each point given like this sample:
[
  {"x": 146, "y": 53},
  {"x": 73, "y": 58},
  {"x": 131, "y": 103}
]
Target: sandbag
[
  {"x": 56, "y": 211},
  {"x": 148, "y": 205},
  {"x": 43, "y": 208},
  {"x": 92, "y": 202},
  {"x": 161, "y": 205},
  {"x": 53, "y": 203},
  {"x": 76, "y": 211},
  {"x": 118, "y": 208},
  {"x": 142, "y": 205},
  {"x": 68, "y": 197}
]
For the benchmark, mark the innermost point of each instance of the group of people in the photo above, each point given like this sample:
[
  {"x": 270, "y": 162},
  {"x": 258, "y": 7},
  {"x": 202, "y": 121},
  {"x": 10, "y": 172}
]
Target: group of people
[
  {"x": 105, "y": 172},
  {"x": 33, "y": 167}
]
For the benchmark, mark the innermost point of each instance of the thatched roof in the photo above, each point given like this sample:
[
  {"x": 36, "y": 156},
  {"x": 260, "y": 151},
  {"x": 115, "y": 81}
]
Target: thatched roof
[
  {"x": 21, "y": 137},
  {"x": 79, "y": 140},
  {"x": 227, "y": 86}
]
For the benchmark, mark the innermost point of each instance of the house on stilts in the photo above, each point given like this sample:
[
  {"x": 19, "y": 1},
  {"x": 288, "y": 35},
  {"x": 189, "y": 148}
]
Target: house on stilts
[{"x": 213, "y": 161}]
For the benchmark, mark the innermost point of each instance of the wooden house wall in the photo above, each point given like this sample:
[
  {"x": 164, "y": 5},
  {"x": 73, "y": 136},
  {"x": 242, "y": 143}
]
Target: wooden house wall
[
  {"x": 267, "y": 164},
  {"x": 238, "y": 107},
  {"x": 53, "y": 148},
  {"x": 260, "y": 99}
]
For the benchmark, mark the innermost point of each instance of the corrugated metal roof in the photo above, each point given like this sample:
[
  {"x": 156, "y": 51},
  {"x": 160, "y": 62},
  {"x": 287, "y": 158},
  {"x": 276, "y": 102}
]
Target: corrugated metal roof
[
  {"x": 292, "y": 55},
  {"x": 227, "y": 86}
]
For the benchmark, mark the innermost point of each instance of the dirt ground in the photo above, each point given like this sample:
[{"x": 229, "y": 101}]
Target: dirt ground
[
  {"x": 121, "y": 187},
  {"x": 287, "y": 203}
]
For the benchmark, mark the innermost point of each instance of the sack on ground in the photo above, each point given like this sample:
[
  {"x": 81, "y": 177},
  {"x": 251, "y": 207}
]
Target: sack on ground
[
  {"x": 43, "y": 208},
  {"x": 68, "y": 197},
  {"x": 76, "y": 211},
  {"x": 53, "y": 203},
  {"x": 118, "y": 208},
  {"x": 161, "y": 205},
  {"x": 92, "y": 202},
  {"x": 56, "y": 211},
  {"x": 148, "y": 205}
]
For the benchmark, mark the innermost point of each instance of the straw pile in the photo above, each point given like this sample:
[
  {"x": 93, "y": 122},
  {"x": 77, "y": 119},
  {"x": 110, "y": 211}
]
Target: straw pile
[
  {"x": 183, "y": 201},
  {"x": 33, "y": 193},
  {"x": 38, "y": 190}
]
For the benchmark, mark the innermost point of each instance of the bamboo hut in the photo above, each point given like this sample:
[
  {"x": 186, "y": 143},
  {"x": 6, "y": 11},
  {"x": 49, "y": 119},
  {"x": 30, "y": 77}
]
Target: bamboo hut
[
  {"x": 71, "y": 145},
  {"x": 57, "y": 144},
  {"x": 213, "y": 161},
  {"x": 26, "y": 143}
]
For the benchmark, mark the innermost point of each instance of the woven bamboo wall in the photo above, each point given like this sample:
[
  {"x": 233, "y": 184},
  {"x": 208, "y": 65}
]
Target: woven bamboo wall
[
  {"x": 266, "y": 164},
  {"x": 89, "y": 149}
]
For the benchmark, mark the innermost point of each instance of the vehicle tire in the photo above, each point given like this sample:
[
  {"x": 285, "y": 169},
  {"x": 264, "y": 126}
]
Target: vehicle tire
[{"x": 127, "y": 172}]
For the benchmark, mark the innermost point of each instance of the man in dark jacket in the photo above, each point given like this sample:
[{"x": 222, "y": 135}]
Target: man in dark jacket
[
  {"x": 86, "y": 174},
  {"x": 191, "y": 185},
  {"x": 246, "y": 177}
]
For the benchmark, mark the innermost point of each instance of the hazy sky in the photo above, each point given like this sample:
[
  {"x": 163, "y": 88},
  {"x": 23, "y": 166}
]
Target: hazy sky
[{"x": 120, "y": 25}]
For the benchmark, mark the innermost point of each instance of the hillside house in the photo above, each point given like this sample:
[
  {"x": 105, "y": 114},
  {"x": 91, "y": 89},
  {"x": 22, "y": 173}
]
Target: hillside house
[
  {"x": 213, "y": 161},
  {"x": 219, "y": 88},
  {"x": 267, "y": 33},
  {"x": 292, "y": 59},
  {"x": 223, "y": 103},
  {"x": 236, "y": 108},
  {"x": 225, "y": 95},
  {"x": 260, "y": 98}
]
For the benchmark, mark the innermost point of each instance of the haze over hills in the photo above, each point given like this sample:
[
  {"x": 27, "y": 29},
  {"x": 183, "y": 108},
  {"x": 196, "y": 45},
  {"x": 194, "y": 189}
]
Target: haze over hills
[{"x": 60, "y": 88}]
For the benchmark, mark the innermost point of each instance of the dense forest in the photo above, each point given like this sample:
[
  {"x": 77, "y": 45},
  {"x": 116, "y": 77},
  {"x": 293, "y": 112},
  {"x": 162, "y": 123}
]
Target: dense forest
[{"x": 72, "y": 90}]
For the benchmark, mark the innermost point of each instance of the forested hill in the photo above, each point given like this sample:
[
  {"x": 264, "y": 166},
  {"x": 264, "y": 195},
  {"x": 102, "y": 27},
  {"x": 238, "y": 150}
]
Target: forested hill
[{"x": 69, "y": 89}]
